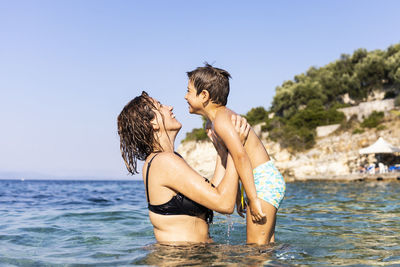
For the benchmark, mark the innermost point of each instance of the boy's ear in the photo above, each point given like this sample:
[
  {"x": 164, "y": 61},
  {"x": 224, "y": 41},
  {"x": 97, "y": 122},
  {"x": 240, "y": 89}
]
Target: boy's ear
[{"x": 205, "y": 97}]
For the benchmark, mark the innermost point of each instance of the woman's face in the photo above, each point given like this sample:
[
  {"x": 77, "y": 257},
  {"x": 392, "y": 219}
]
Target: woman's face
[{"x": 165, "y": 119}]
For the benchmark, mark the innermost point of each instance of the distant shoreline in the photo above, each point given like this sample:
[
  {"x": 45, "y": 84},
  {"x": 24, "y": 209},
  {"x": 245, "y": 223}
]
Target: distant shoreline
[{"x": 354, "y": 177}]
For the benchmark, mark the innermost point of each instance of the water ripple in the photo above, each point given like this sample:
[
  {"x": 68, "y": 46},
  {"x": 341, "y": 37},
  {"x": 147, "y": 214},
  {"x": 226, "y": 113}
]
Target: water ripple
[{"x": 105, "y": 223}]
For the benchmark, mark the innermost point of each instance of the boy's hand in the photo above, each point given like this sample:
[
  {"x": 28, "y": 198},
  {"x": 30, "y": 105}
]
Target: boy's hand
[
  {"x": 241, "y": 127},
  {"x": 256, "y": 210}
]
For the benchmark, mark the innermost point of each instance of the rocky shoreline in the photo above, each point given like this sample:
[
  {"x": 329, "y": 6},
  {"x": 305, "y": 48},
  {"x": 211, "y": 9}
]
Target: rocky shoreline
[
  {"x": 352, "y": 177},
  {"x": 333, "y": 158}
]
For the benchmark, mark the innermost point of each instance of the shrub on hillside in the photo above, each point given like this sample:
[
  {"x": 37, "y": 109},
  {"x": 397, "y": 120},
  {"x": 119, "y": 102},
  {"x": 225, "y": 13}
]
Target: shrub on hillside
[
  {"x": 381, "y": 127},
  {"x": 390, "y": 94},
  {"x": 289, "y": 136},
  {"x": 373, "y": 120},
  {"x": 358, "y": 131},
  {"x": 298, "y": 131},
  {"x": 397, "y": 101},
  {"x": 197, "y": 134}
]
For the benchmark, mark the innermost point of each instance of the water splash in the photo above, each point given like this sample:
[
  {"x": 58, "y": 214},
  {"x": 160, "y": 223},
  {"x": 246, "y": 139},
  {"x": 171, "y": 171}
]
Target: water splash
[{"x": 229, "y": 223}]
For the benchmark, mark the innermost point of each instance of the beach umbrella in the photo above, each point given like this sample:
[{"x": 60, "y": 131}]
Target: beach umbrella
[{"x": 381, "y": 146}]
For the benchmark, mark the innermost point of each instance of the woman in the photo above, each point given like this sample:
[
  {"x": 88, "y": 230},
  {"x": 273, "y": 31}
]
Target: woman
[{"x": 180, "y": 201}]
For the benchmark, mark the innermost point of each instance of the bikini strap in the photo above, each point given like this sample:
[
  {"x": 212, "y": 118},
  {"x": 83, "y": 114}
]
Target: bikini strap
[
  {"x": 147, "y": 175},
  {"x": 176, "y": 153},
  {"x": 147, "y": 178}
]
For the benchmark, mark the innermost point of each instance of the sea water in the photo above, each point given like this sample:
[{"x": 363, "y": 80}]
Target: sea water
[{"x": 105, "y": 223}]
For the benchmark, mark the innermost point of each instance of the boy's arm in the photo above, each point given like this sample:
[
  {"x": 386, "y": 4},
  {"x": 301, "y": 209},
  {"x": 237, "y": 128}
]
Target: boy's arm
[
  {"x": 226, "y": 131},
  {"x": 242, "y": 128}
]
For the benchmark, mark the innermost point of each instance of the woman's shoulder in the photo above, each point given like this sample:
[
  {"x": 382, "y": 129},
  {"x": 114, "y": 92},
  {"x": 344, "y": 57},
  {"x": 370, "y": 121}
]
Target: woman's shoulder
[
  {"x": 168, "y": 167},
  {"x": 166, "y": 158}
]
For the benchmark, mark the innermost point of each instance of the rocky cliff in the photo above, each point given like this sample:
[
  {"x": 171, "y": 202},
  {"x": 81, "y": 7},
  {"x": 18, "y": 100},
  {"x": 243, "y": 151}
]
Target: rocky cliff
[{"x": 332, "y": 155}]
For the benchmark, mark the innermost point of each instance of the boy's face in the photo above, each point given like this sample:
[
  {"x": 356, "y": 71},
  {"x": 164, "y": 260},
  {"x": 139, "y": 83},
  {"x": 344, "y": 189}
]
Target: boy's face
[{"x": 194, "y": 101}]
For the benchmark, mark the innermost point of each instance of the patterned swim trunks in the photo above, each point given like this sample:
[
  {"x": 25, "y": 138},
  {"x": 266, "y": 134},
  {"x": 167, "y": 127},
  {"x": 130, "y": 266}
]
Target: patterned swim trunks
[{"x": 269, "y": 183}]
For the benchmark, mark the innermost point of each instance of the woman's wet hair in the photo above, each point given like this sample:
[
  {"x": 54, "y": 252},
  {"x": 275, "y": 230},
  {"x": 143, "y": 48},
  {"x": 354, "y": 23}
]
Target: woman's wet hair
[{"x": 136, "y": 132}]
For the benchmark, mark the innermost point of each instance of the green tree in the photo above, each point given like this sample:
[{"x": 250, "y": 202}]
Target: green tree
[
  {"x": 256, "y": 115},
  {"x": 392, "y": 67},
  {"x": 358, "y": 55},
  {"x": 371, "y": 70}
]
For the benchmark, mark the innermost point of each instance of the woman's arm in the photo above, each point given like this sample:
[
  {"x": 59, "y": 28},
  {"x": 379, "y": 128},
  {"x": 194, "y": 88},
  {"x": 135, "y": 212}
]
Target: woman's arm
[
  {"x": 219, "y": 171},
  {"x": 179, "y": 176},
  {"x": 220, "y": 163}
]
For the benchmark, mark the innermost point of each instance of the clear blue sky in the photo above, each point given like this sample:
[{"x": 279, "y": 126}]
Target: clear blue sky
[{"x": 67, "y": 68}]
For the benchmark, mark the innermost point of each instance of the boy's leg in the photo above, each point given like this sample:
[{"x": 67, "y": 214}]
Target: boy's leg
[
  {"x": 262, "y": 232},
  {"x": 272, "y": 240}
]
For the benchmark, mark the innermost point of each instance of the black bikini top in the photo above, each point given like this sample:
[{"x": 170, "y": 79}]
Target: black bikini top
[{"x": 178, "y": 204}]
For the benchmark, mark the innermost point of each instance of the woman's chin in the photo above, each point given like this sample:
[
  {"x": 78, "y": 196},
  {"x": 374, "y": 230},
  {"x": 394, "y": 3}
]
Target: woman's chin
[{"x": 176, "y": 128}]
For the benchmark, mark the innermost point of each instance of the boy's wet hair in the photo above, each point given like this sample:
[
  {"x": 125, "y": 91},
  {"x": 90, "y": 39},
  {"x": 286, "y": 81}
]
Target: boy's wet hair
[{"x": 213, "y": 80}]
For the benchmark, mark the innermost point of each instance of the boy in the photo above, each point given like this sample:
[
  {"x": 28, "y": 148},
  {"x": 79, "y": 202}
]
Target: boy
[{"x": 207, "y": 95}]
